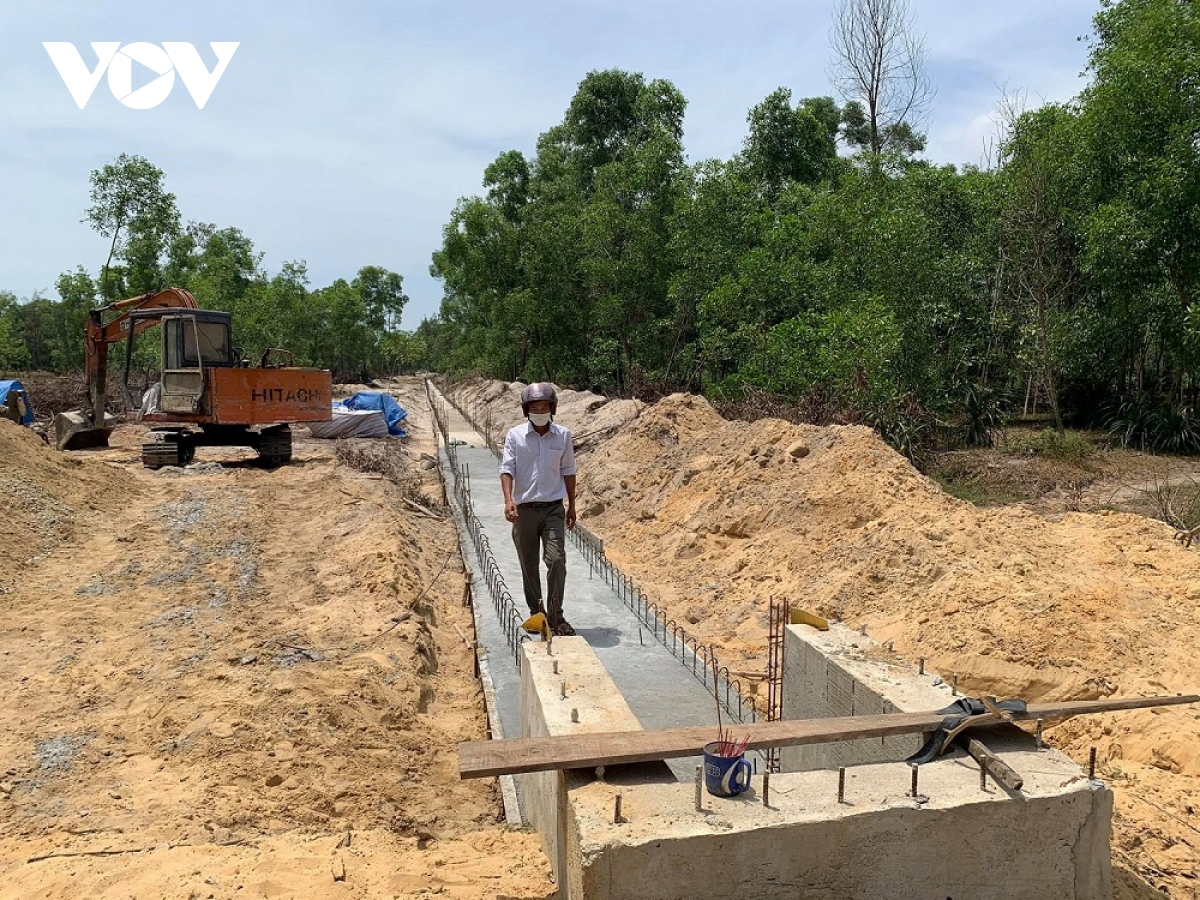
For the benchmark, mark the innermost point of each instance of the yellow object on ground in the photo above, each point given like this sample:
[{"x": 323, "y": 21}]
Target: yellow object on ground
[
  {"x": 804, "y": 617},
  {"x": 537, "y": 624}
]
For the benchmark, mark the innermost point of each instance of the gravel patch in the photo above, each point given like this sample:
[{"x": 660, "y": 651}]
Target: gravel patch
[{"x": 59, "y": 752}]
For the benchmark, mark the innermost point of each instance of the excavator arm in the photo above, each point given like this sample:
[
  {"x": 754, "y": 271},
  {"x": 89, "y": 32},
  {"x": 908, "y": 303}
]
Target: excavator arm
[
  {"x": 108, "y": 325},
  {"x": 101, "y": 333}
]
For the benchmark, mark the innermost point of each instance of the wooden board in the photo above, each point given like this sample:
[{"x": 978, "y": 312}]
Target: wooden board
[{"x": 483, "y": 759}]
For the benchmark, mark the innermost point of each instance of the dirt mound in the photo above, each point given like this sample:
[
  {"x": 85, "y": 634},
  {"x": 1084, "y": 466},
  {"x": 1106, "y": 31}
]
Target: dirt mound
[
  {"x": 713, "y": 517},
  {"x": 248, "y": 679},
  {"x": 495, "y": 406},
  {"x": 45, "y": 495},
  {"x": 832, "y": 518}
]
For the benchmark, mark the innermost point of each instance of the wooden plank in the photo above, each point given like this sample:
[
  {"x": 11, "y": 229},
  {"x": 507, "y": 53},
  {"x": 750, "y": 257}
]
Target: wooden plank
[
  {"x": 804, "y": 617},
  {"x": 484, "y": 759},
  {"x": 989, "y": 704},
  {"x": 996, "y": 767}
]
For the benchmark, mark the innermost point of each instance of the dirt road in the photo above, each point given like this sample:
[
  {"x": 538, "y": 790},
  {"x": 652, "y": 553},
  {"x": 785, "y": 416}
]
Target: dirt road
[{"x": 231, "y": 682}]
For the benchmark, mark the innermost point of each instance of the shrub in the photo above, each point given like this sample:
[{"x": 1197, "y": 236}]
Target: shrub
[{"x": 1144, "y": 424}]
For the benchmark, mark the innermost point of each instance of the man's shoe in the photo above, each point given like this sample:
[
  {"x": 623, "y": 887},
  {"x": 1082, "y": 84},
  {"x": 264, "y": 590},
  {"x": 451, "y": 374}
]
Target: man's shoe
[{"x": 563, "y": 629}]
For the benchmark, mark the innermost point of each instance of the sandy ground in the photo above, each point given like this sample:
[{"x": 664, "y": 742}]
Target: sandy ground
[
  {"x": 712, "y": 518},
  {"x": 231, "y": 682}
]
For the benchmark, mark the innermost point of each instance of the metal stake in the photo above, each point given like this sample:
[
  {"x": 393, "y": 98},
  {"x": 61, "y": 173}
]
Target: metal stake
[
  {"x": 564, "y": 689},
  {"x": 556, "y": 667},
  {"x": 841, "y": 785},
  {"x": 617, "y": 810},
  {"x": 982, "y": 778},
  {"x": 915, "y": 769},
  {"x": 1092, "y": 765},
  {"x": 863, "y": 629},
  {"x": 921, "y": 666},
  {"x": 699, "y": 788},
  {"x": 1037, "y": 735},
  {"x": 954, "y": 686},
  {"x": 766, "y": 789}
]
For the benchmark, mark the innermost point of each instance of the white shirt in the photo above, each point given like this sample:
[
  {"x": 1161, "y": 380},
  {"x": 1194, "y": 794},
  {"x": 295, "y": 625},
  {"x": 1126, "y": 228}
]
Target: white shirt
[{"x": 538, "y": 462}]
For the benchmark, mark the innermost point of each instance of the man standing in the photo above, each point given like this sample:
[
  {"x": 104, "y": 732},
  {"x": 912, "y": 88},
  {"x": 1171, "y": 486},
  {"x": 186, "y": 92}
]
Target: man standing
[{"x": 537, "y": 471}]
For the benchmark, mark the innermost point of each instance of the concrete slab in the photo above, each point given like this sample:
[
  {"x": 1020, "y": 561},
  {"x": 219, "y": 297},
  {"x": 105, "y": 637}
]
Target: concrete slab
[
  {"x": 962, "y": 844},
  {"x": 571, "y": 693}
]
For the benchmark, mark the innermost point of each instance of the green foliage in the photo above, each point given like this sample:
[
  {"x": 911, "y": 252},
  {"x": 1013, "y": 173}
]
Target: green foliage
[
  {"x": 906, "y": 425},
  {"x": 13, "y": 355},
  {"x": 1146, "y": 423},
  {"x": 979, "y": 493},
  {"x": 895, "y": 291},
  {"x": 985, "y": 410},
  {"x": 849, "y": 353},
  {"x": 1069, "y": 445},
  {"x": 787, "y": 144},
  {"x": 132, "y": 208}
]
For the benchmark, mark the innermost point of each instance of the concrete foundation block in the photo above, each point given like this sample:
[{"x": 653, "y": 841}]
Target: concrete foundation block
[{"x": 953, "y": 840}]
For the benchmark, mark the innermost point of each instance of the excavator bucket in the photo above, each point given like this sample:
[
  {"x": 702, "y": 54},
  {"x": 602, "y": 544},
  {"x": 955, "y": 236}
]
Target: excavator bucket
[{"x": 74, "y": 431}]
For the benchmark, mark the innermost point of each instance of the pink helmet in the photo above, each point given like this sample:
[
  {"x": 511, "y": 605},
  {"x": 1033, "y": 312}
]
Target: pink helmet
[{"x": 542, "y": 390}]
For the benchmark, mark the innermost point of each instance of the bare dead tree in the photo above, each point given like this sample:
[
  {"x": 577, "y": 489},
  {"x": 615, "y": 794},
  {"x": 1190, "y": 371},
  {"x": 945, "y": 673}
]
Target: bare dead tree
[
  {"x": 1004, "y": 116},
  {"x": 879, "y": 69}
]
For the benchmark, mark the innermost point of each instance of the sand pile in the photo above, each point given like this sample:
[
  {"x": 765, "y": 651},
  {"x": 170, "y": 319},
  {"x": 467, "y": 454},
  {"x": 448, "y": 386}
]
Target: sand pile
[
  {"x": 495, "y": 406},
  {"x": 245, "y": 683},
  {"x": 46, "y": 494},
  {"x": 715, "y": 517}
]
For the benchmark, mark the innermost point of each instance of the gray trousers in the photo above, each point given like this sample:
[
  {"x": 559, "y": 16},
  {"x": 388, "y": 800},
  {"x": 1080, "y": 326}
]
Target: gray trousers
[{"x": 542, "y": 528}]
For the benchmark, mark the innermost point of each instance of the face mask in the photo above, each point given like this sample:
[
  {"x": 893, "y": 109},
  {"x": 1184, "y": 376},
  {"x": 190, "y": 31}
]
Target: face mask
[{"x": 539, "y": 419}]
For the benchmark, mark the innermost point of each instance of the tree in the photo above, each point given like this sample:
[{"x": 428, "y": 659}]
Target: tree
[
  {"x": 879, "y": 68},
  {"x": 383, "y": 293},
  {"x": 1140, "y": 119},
  {"x": 788, "y": 144},
  {"x": 507, "y": 180},
  {"x": 404, "y": 351},
  {"x": 132, "y": 208},
  {"x": 78, "y": 293},
  {"x": 12, "y": 349},
  {"x": 1040, "y": 246}
]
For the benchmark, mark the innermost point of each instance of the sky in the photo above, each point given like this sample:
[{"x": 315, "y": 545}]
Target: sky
[{"x": 343, "y": 133}]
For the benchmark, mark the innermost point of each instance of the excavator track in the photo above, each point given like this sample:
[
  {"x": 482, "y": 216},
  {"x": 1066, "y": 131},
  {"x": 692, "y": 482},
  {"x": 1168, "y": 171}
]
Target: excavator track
[
  {"x": 168, "y": 448},
  {"x": 275, "y": 447}
]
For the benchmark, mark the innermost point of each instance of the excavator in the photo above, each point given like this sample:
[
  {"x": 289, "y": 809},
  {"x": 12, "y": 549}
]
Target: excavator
[{"x": 209, "y": 394}]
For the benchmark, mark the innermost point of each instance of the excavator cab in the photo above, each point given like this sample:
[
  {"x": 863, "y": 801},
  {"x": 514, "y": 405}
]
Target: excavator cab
[{"x": 192, "y": 341}]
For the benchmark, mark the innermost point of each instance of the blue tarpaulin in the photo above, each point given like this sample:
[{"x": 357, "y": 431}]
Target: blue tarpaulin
[
  {"x": 27, "y": 409},
  {"x": 393, "y": 412}
]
